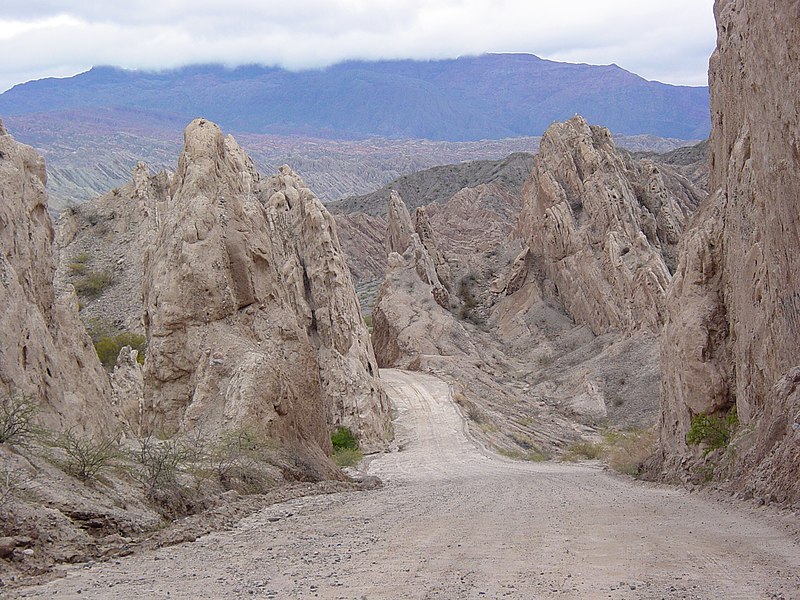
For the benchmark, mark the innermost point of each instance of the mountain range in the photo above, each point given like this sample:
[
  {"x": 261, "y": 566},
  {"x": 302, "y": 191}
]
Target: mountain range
[{"x": 470, "y": 98}]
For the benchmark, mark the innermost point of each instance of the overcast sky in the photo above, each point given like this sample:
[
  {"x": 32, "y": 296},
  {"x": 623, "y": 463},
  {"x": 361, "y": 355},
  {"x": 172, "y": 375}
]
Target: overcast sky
[{"x": 666, "y": 40}]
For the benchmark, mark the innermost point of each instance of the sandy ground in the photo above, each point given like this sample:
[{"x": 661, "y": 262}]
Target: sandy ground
[{"x": 453, "y": 522}]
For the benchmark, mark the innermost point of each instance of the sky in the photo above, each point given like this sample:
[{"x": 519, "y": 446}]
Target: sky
[{"x": 664, "y": 40}]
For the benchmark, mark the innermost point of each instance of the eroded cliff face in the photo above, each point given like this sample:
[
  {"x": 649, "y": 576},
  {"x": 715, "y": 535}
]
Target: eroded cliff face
[
  {"x": 733, "y": 331},
  {"x": 44, "y": 350},
  {"x": 250, "y": 312},
  {"x": 411, "y": 316},
  {"x": 603, "y": 228}
]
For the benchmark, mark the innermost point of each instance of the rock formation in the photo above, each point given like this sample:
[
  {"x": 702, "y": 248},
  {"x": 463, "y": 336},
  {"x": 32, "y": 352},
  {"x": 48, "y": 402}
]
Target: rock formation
[
  {"x": 250, "y": 311},
  {"x": 44, "y": 350},
  {"x": 603, "y": 228},
  {"x": 732, "y": 331},
  {"x": 403, "y": 323}
]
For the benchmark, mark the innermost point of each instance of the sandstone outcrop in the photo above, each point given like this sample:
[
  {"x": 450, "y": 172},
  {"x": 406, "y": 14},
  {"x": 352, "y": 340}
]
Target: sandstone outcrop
[
  {"x": 44, "y": 350},
  {"x": 603, "y": 228},
  {"x": 250, "y": 311},
  {"x": 733, "y": 332}
]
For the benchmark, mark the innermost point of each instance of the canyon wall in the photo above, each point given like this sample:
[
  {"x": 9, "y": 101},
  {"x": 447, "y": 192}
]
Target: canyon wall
[
  {"x": 733, "y": 314},
  {"x": 45, "y": 354}
]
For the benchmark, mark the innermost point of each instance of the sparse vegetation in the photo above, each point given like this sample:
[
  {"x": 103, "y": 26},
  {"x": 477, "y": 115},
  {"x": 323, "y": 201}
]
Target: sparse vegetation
[
  {"x": 108, "y": 340},
  {"x": 531, "y": 455},
  {"x": 17, "y": 412},
  {"x": 158, "y": 462},
  {"x": 346, "y": 452},
  {"x": 85, "y": 457},
  {"x": 583, "y": 451},
  {"x": 368, "y": 322},
  {"x": 93, "y": 283},
  {"x": 79, "y": 264},
  {"x": 238, "y": 459},
  {"x": 712, "y": 432},
  {"x": 469, "y": 301},
  {"x": 626, "y": 451}
]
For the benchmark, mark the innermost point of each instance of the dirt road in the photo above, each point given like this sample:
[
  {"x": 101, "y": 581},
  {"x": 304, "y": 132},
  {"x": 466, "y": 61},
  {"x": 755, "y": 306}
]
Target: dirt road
[{"x": 455, "y": 523}]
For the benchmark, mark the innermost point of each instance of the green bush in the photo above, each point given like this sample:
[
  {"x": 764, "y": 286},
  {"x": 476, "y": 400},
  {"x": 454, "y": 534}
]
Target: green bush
[
  {"x": 93, "y": 283},
  {"x": 108, "y": 348},
  {"x": 712, "y": 431},
  {"x": 346, "y": 452},
  {"x": 344, "y": 438},
  {"x": 17, "y": 414}
]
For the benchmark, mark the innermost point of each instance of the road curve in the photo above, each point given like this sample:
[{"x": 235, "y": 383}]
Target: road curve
[{"x": 453, "y": 522}]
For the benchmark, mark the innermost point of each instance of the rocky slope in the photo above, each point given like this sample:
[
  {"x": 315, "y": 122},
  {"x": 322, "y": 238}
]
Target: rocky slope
[
  {"x": 45, "y": 353},
  {"x": 732, "y": 329}
]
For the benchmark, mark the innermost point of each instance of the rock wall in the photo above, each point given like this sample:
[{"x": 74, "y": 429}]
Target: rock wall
[
  {"x": 44, "y": 350},
  {"x": 250, "y": 312},
  {"x": 603, "y": 228},
  {"x": 733, "y": 330}
]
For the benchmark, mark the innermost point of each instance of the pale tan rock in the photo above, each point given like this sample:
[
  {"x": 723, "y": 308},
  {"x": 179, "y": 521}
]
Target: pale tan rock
[
  {"x": 740, "y": 268},
  {"x": 424, "y": 230},
  {"x": 601, "y": 227},
  {"x": 405, "y": 323},
  {"x": 251, "y": 314},
  {"x": 44, "y": 350}
]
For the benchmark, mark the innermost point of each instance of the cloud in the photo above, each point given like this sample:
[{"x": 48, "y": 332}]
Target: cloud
[{"x": 668, "y": 40}]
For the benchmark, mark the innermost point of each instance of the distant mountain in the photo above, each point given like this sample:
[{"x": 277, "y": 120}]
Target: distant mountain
[{"x": 486, "y": 97}]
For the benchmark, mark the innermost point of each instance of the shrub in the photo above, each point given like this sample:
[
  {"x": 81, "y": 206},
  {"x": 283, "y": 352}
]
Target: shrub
[
  {"x": 93, "y": 283},
  {"x": 158, "y": 463},
  {"x": 17, "y": 414},
  {"x": 108, "y": 348},
  {"x": 584, "y": 450},
  {"x": 79, "y": 264},
  {"x": 86, "y": 457},
  {"x": 239, "y": 460},
  {"x": 346, "y": 452},
  {"x": 344, "y": 438},
  {"x": 626, "y": 451},
  {"x": 711, "y": 431}
]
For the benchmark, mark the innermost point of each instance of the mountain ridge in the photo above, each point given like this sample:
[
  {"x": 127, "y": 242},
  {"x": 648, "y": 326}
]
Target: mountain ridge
[{"x": 470, "y": 98}]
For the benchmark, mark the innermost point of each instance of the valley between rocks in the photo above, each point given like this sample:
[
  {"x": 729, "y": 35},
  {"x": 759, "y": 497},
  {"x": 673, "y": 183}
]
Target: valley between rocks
[{"x": 454, "y": 521}]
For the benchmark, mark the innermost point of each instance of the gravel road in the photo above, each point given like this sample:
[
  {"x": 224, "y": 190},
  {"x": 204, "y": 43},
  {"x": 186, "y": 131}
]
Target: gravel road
[{"x": 454, "y": 522}]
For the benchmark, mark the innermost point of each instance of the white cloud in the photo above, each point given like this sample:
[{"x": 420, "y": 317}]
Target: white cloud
[{"x": 668, "y": 40}]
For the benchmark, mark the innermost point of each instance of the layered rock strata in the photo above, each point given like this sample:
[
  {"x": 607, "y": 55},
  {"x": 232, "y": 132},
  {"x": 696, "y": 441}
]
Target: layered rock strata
[
  {"x": 250, "y": 312},
  {"x": 45, "y": 353},
  {"x": 603, "y": 228},
  {"x": 733, "y": 331}
]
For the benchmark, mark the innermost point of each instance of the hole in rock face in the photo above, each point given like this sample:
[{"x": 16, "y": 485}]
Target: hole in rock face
[{"x": 625, "y": 251}]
